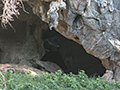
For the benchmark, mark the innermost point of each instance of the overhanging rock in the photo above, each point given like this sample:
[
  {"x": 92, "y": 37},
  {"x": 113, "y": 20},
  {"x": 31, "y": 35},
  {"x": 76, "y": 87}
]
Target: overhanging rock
[{"x": 91, "y": 23}]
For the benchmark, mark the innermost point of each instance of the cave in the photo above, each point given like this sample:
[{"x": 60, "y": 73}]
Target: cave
[
  {"x": 33, "y": 40},
  {"x": 69, "y": 55}
]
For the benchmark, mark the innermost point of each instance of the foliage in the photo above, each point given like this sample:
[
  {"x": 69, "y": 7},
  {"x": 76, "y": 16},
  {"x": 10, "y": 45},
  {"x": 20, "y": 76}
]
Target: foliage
[{"x": 57, "y": 81}]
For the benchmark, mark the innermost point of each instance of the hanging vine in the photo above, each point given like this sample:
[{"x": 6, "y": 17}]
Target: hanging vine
[{"x": 10, "y": 8}]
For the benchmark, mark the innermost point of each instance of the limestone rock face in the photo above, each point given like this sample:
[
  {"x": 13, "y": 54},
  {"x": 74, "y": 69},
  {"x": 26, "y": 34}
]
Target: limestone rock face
[
  {"x": 91, "y": 23},
  {"x": 108, "y": 75}
]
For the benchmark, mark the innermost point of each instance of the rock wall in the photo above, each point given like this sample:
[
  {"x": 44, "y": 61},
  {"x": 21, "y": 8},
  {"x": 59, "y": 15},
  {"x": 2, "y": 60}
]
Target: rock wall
[
  {"x": 26, "y": 42},
  {"x": 91, "y": 23}
]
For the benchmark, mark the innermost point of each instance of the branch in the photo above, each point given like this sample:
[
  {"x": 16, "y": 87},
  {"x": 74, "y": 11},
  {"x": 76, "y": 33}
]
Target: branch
[{"x": 3, "y": 80}]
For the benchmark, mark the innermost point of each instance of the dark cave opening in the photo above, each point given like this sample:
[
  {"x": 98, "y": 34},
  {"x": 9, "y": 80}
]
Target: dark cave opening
[{"x": 69, "y": 55}]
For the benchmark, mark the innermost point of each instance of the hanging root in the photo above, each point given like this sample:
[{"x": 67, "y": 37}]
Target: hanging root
[{"x": 10, "y": 8}]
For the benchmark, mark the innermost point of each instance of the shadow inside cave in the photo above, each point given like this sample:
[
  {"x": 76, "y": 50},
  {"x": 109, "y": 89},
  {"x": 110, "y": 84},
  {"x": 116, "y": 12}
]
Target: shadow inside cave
[{"x": 69, "y": 55}]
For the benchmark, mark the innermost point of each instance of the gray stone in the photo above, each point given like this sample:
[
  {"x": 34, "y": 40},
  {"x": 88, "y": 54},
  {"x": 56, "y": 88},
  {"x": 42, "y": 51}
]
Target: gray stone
[{"x": 94, "y": 25}]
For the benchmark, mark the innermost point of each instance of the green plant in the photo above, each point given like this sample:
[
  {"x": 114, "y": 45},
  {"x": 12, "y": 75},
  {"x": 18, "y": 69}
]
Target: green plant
[{"x": 56, "y": 81}]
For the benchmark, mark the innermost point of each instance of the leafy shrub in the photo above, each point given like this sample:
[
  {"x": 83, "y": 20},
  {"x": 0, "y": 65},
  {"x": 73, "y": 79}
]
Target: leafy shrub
[{"x": 57, "y": 81}]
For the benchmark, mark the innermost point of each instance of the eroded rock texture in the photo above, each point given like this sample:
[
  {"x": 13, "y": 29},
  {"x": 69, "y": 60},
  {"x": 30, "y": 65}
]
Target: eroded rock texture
[
  {"x": 92, "y": 24},
  {"x": 25, "y": 46}
]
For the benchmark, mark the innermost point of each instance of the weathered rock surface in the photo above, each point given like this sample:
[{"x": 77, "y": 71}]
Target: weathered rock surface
[
  {"x": 25, "y": 47},
  {"x": 20, "y": 68},
  {"x": 92, "y": 25},
  {"x": 108, "y": 76}
]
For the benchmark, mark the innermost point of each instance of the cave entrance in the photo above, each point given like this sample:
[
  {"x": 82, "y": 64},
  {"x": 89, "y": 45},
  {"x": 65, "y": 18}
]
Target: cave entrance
[{"x": 69, "y": 55}]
